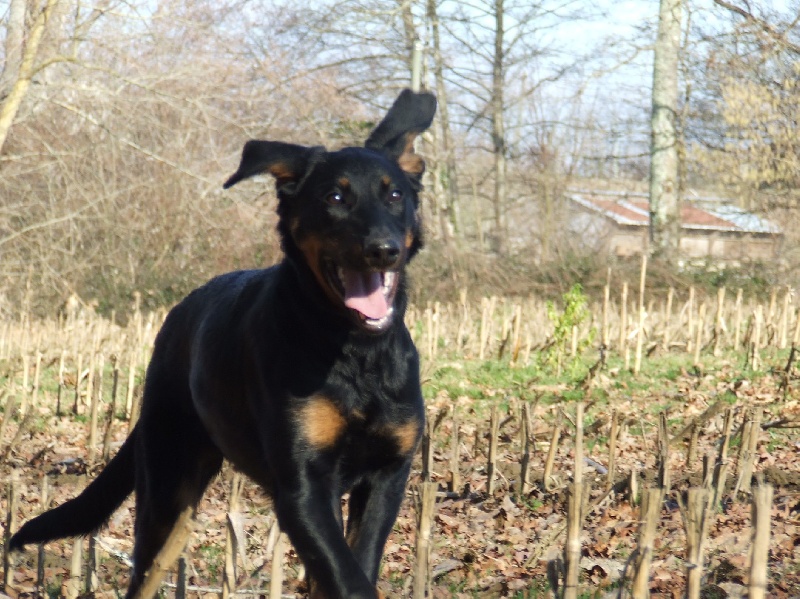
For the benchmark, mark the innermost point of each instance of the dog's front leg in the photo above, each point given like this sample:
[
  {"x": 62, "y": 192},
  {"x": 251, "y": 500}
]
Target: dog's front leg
[
  {"x": 372, "y": 511},
  {"x": 306, "y": 513}
]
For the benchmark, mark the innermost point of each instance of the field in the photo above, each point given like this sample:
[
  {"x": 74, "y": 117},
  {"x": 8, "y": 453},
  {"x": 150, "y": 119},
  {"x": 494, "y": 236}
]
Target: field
[{"x": 702, "y": 389}]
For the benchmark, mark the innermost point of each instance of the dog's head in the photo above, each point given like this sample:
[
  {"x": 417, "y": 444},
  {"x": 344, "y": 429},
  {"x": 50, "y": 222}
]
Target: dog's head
[{"x": 350, "y": 218}]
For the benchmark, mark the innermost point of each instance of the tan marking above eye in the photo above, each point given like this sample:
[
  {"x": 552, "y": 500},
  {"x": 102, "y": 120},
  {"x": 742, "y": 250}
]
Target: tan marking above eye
[
  {"x": 386, "y": 180},
  {"x": 343, "y": 183},
  {"x": 321, "y": 422}
]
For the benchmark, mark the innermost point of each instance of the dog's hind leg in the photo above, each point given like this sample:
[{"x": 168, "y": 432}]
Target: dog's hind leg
[{"x": 176, "y": 459}]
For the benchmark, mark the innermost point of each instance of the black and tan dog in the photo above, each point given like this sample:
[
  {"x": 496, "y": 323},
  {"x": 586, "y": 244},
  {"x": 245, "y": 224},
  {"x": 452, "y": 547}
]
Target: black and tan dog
[{"x": 302, "y": 375}]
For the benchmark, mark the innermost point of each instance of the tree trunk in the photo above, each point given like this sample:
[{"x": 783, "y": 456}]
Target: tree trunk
[
  {"x": 451, "y": 224},
  {"x": 664, "y": 198},
  {"x": 21, "y": 80},
  {"x": 498, "y": 133}
]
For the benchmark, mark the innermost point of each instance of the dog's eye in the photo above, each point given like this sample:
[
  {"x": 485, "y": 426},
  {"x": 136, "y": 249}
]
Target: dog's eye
[
  {"x": 334, "y": 198},
  {"x": 395, "y": 195}
]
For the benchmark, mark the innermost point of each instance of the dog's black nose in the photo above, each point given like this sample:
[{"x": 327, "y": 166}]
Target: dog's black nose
[{"x": 382, "y": 254}]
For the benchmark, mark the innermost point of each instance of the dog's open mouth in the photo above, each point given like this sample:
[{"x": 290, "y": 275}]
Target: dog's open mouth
[{"x": 368, "y": 295}]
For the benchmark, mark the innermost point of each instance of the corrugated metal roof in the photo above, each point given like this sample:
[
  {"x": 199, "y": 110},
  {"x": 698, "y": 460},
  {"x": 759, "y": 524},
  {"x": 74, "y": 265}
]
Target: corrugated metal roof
[{"x": 633, "y": 210}]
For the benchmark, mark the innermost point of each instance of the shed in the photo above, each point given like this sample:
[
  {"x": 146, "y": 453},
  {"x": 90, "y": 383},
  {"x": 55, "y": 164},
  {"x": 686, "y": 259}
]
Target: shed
[{"x": 711, "y": 229}]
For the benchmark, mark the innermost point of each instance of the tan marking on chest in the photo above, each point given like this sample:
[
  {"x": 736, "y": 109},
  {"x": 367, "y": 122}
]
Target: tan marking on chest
[
  {"x": 406, "y": 435},
  {"x": 321, "y": 422}
]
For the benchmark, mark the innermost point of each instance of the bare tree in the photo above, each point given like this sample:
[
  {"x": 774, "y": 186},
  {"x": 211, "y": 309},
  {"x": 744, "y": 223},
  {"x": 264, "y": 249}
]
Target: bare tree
[{"x": 22, "y": 53}]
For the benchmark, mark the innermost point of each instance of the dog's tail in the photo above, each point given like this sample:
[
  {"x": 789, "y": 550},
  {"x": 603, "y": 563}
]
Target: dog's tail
[{"x": 89, "y": 510}]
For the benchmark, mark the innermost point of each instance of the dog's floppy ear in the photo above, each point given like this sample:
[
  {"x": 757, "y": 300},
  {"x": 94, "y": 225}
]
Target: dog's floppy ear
[
  {"x": 411, "y": 114},
  {"x": 288, "y": 163}
]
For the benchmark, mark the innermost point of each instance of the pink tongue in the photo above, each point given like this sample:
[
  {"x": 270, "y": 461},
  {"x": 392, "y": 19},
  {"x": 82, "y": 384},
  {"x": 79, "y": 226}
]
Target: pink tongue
[{"x": 363, "y": 292}]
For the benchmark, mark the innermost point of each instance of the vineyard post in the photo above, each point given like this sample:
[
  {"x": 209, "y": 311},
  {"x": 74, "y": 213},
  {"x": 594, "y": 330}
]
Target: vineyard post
[
  {"x": 737, "y": 321},
  {"x": 719, "y": 321},
  {"x": 637, "y": 364},
  {"x": 425, "y": 511},
  {"x": 606, "y": 298},
  {"x": 60, "y": 391},
  {"x": 551, "y": 454},
  {"x": 623, "y": 320},
  {"x": 92, "y": 581},
  {"x": 650, "y": 511},
  {"x": 783, "y": 332},
  {"x": 231, "y": 541},
  {"x": 491, "y": 469},
  {"x": 572, "y": 549},
  {"x": 525, "y": 438},
  {"x": 40, "y": 554},
  {"x": 73, "y": 585},
  {"x": 277, "y": 540},
  {"x": 455, "y": 478},
  {"x": 95, "y": 406},
  {"x": 748, "y": 454},
  {"x": 183, "y": 578},
  {"x": 111, "y": 407},
  {"x": 77, "y": 397},
  {"x": 11, "y": 524},
  {"x": 721, "y": 467},
  {"x": 755, "y": 359},
  {"x": 668, "y": 317},
  {"x": 612, "y": 449},
  {"x": 167, "y": 556},
  {"x": 762, "y": 508},
  {"x": 698, "y": 344},
  {"x": 690, "y": 324},
  {"x": 695, "y": 513}
]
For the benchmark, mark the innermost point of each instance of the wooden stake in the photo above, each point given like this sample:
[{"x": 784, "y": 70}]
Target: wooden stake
[
  {"x": 650, "y": 513},
  {"x": 455, "y": 454},
  {"x": 606, "y": 301},
  {"x": 663, "y": 453},
  {"x": 623, "y": 320},
  {"x": 95, "y": 407},
  {"x": 637, "y": 364},
  {"x": 759, "y": 552},
  {"x": 719, "y": 321},
  {"x": 73, "y": 586},
  {"x": 77, "y": 385},
  {"x": 525, "y": 434},
  {"x": 612, "y": 450},
  {"x": 668, "y": 317},
  {"x": 231, "y": 541},
  {"x": 572, "y": 549},
  {"x": 111, "y": 407},
  {"x": 737, "y": 322},
  {"x": 491, "y": 469},
  {"x": 183, "y": 579},
  {"x": 690, "y": 332},
  {"x": 698, "y": 344},
  {"x": 755, "y": 360},
  {"x": 11, "y": 524},
  {"x": 425, "y": 512},
  {"x": 92, "y": 582},
  {"x": 783, "y": 332},
  {"x": 40, "y": 552},
  {"x": 276, "y": 567},
  {"x": 60, "y": 392},
  {"x": 695, "y": 514},
  {"x": 551, "y": 455},
  {"x": 748, "y": 455},
  {"x": 721, "y": 467},
  {"x": 170, "y": 552}
]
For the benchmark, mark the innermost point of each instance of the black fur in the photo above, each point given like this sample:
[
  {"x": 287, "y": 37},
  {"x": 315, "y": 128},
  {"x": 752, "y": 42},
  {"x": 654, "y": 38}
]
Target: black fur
[{"x": 302, "y": 375}]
